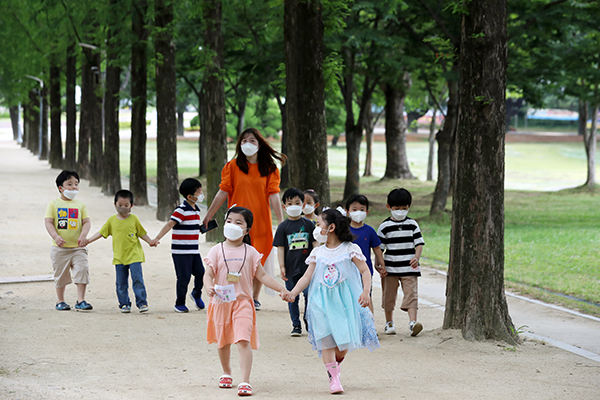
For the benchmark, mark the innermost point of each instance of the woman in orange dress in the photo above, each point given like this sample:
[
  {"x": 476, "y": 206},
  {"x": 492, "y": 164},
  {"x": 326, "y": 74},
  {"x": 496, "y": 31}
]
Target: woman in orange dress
[{"x": 251, "y": 180}]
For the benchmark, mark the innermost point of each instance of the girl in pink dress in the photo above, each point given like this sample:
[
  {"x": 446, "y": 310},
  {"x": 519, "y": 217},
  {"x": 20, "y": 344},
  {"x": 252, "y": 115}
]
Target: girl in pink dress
[{"x": 231, "y": 318}]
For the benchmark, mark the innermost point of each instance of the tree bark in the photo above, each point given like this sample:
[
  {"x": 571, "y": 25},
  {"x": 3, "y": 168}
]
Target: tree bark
[
  {"x": 44, "y": 142},
  {"x": 139, "y": 76},
  {"x": 96, "y": 175},
  {"x": 285, "y": 170},
  {"x": 33, "y": 140},
  {"x": 166, "y": 108},
  {"x": 582, "y": 118},
  {"x": 369, "y": 128},
  {"x": 214, "y": 117},
  {"x": 445, "y": 138},
  {"x": 14, "y": 121},
  {"x": 85, "y": 117},
  {"x": 71, "y": 140},
  {"x": 112, "y": 87},
  {"x": 202, "y": 167},
  {"x": 305, "y": 96},
  {"x": 590, "y": 147},
  {"x": 431, "y": 146},
  {"x": 56, "y": 154},
  {"x": 180, "y": 127},
  {"x": 241, "y": 115},
  {"x": 26, "y": 122},
  {"x": 476, "y": 301},
  {"x": 395, "y": 131}
]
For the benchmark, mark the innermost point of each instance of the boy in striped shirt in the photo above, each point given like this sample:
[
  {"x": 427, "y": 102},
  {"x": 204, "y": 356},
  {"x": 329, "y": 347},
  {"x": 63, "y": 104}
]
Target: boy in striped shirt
[
  {"x": 402, "y": 244},
  {"x": 185, "y": 223}
]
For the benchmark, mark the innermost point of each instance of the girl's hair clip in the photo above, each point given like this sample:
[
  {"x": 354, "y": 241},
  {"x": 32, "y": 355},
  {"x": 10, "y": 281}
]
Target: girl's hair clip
[
  {"x": 341, "y": 210},
  {"x": 227, "y": 212},
  {"x": 325, "y": 208}
]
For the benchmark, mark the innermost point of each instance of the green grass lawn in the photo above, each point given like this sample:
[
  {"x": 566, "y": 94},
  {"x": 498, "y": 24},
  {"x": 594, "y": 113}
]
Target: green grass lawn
[{"x": 552, "y": 238}]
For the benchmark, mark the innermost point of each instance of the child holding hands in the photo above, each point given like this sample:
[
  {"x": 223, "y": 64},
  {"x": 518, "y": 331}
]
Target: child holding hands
[
  {"x": 231, "y": 317},
  {"x": 339, "y": 319}
]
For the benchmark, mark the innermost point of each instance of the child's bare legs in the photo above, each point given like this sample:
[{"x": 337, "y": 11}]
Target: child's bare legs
[
  {"x": 225, "y": 358},
  {"x": 333, "y": 355},
  {"x": 389, "y": 316},
  {"x": 412, "y": 314},
  {"x": 245, "y": 359},
  {"x": 60, "y": 294},
  {"x": 80, "y": 292},
  {"x": 256, "y": 286}
]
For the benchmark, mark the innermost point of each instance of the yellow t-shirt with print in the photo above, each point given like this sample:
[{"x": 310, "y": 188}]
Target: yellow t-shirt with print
[
  {"x": 127, "y": 248},
  {"x": 67, "y": 216}
]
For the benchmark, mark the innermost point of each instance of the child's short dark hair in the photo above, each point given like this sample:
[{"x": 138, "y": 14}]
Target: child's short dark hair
[
  {"x": 64, "y": 175},
  {"x": 357, "y": 198},
  {"x": 189, "y": 186},
  {"x": 248, "y": 217},
  {"x": 124, "y": 194},
  {"x": 342, "y": 224},
  {"x": 315, "y": 197},
  {"x": 291, "y": 193},
  {"x": 399, "y": 197}
]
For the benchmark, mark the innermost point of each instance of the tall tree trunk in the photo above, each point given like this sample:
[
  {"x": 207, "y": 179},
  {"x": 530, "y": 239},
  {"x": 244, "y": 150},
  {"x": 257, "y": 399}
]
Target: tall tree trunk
[
  {"x": 112, "y": 87},
  {"x": 582, "y": 119},
  {"x": 445, "y": 138},
  {"x": 214, "y": 108},
  {"x": 180, "y": 127},
  {"x": 26, "y": 118},
  {"x": 241, "y": 116},
  {"x": 431, "y": 145},
  {"x": 85, "y": 117},
  {"x": 369, "y": 128},
  {"x": 305, "y": 96},
  {"x": 396, "y": 166},
  {"x": 202, "y": 137},
  {"x": 139, "y": 77},
  {"x": 590, "y": 149},
  {"x": 71, "y": 140},
  {"x": 44, "y": 139},
  {"x": 285, "y": 170},
  {"x": 95, "y": 127},
  {"x": 14, "y": 121},
  {"x": 33, "y": 141},
  {"x": 475, "y": 298},
  {"x": 56, "y": 154},
  {"x": 166, "y": 109}
]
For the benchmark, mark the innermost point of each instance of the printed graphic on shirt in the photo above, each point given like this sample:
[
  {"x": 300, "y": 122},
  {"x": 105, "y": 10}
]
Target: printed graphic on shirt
[
  {"x": 68, "y": 218},
  {"x": 332, "y": 275},
  {"x": 298, "y": 240}
]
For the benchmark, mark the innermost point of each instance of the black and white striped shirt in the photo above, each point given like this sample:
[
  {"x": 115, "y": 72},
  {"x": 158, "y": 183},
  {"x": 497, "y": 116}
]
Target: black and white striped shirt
[{"x": 399, "y": 240}]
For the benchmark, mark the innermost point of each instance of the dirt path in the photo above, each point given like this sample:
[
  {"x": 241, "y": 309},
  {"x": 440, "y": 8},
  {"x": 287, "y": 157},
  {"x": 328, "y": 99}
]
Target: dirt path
[{"x": 103, "y": 354}]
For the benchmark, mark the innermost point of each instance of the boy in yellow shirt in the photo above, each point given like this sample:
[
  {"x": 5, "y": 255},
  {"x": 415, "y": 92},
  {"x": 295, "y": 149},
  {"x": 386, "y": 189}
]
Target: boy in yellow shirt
[
  {"x": 128, "y": 255},
  {"x": 68, "y": 223}
]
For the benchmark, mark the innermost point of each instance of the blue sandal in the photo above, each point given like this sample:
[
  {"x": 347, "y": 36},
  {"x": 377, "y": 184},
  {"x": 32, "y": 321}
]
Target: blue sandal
[{"x": 62, "y": 306}]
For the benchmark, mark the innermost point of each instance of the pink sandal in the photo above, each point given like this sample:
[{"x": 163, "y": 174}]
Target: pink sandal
[
  {"x": 225, "y": 381},
  {"x": 244, "y": 389}
]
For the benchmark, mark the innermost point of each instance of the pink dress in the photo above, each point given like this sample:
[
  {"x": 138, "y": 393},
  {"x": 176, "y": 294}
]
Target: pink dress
[{"x": 234, "y": 321}]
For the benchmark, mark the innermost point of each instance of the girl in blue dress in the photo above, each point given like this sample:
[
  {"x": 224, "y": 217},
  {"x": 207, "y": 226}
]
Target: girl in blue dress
[{"x": 338, "y": 316}]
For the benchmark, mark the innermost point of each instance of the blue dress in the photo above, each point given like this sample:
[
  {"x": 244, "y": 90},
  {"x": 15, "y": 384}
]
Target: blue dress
[{"x": 335, "y": 319}]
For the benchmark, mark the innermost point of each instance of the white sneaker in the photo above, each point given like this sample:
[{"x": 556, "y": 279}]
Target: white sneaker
[
  {"x": 415, "y": 328},
  {"x": 389, "y": 329}
]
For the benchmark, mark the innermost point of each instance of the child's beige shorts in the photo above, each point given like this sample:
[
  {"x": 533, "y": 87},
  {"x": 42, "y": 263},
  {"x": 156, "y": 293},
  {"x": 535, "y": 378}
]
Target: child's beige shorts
[
  {"x": 410, "y": 289},
  {"x": 66, "y": 258}
]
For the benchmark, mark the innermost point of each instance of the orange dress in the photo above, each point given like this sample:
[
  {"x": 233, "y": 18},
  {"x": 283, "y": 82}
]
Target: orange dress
[
  {"x": 231, "y": 322},
  {"x": 252, "y": 191}
]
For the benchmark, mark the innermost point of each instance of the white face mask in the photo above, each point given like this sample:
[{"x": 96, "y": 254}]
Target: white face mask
[
  {"x": 308, "y": 209},
  {"x": 293, "y": 211},
  {"x": 70, "y": 194},
  {"x": 249, "y": 149},
  {"x": 358, "y": 216},
  {"x": 318, "y": 236},
  {"x": 199, "y": 199},
  {"x": 399, "y": 215},
  {"x": 232, "y": 231}
]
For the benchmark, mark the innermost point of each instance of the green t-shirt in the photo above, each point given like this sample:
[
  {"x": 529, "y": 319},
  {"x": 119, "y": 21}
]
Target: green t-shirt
[
  {"x": 68, "y": 217},
  {"x": 127, "y": 248}
]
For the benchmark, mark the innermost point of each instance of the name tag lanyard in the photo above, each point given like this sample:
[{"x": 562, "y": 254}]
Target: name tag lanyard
[{"x": 234, "y": 276}]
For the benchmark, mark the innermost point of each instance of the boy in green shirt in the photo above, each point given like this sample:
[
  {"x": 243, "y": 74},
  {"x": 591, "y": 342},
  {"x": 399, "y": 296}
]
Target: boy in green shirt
[{"x": 128, "y": 255}]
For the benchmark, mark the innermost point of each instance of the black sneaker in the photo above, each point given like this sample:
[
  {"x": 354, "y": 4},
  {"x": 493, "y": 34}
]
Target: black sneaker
[{"x": 297, "y": 331}]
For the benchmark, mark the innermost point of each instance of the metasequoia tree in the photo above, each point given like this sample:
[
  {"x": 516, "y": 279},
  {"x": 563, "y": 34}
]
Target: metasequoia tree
[{"x": 476, "y": 302}]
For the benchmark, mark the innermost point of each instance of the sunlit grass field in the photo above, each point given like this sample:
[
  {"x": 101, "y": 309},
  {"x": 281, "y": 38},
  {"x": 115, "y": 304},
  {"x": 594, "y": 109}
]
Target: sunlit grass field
[{"x": 552, "y": 237}]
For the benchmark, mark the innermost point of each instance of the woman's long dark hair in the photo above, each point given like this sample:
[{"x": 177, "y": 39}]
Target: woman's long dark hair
[
  {"x": 342, "y": 224},
  {"x": 266, "y": 154},
  {"x": 248, "y": 217}
]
